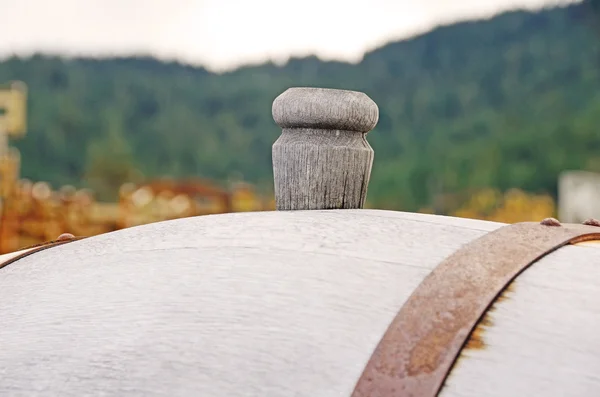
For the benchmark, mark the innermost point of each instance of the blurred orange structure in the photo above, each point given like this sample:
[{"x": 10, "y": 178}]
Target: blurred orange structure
[
  {"x": 509, "y": 207},
  {"x": 169, "y": 199},
  {"x": 32, "y": 213}
]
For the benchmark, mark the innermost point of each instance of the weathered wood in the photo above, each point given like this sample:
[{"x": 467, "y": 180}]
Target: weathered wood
[
  {"x": 541, "y": 338},
  {"x": 431, "y": 329},
  {"x": 322, "y": 159},
  {"x": 248, "y": 304},
  {"x": 279, "y": 304}
]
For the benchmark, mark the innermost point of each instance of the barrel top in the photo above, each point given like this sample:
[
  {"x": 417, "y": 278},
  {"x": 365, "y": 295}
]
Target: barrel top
[
  {"x": 243, "y": 304},
  {"x": 368, "y": 234},
  {"x": 160, "y": 308},
  {"x": 328, "y": 109}
]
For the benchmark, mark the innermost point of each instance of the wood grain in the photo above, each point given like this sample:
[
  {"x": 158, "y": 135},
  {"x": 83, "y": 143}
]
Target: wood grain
[
  {"x": 322, "y": 160},
  {"x": 541, "y": 338},
  {"x": 257, "y": 304},
  {"x": 320, "y": 169},
  {"x": 278, "y": 304}
]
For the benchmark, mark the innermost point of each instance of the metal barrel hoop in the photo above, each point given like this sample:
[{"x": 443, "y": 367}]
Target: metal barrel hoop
[
  {"x": 421, "y": 345},
  {"x": 9, "y": 258}
]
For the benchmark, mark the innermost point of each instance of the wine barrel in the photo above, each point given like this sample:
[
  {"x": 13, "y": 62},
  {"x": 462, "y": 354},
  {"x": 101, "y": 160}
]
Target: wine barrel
[
  {"x": 319, "y": 298},
  {"x": 283, "y": 303}
]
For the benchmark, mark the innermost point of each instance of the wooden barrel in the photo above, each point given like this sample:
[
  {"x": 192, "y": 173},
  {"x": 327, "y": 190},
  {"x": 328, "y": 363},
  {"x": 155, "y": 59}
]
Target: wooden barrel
[{"x": 281, "y": 304}]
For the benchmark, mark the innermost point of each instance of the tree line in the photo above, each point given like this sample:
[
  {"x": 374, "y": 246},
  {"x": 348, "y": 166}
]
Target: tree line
[{"x": 503, "y": 103}]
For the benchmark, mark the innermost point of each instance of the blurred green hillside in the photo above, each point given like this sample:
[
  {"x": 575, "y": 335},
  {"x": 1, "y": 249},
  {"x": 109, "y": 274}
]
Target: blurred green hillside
[{"x": 501, "y": 103}]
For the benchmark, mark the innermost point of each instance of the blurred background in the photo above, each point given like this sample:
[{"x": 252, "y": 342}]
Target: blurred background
[{"x": 115, "y": 113}]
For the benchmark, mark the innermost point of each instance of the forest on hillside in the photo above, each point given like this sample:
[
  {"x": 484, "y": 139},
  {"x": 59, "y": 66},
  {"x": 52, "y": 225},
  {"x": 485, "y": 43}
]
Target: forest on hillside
[{"x": 508, "y": 102}]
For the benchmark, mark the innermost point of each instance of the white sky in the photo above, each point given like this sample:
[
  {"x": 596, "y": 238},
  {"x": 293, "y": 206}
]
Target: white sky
[{"x": 222, "y": 34}]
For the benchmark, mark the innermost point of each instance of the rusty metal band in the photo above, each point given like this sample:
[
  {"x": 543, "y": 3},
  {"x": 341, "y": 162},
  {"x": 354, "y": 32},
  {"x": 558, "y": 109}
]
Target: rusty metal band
[
  {"x": 419, "y": 348},
  {"x": 22, "y": 253}
]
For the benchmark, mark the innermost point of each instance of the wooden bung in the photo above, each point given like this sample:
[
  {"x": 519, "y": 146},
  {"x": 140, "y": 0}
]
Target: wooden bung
[{"x": 322, "y": 159}]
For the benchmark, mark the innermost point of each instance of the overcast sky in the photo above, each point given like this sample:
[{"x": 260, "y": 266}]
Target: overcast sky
[{"x": 222, "y": 34}]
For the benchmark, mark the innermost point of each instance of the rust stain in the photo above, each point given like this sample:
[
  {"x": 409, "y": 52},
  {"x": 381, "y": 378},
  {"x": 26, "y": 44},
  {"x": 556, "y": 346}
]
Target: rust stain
[
  {"x": 503, "y": 295},
  {"x": 475, "y": 341},
  {"x": 452, "y": 309},
  {"x": 426, "y": 356}
]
